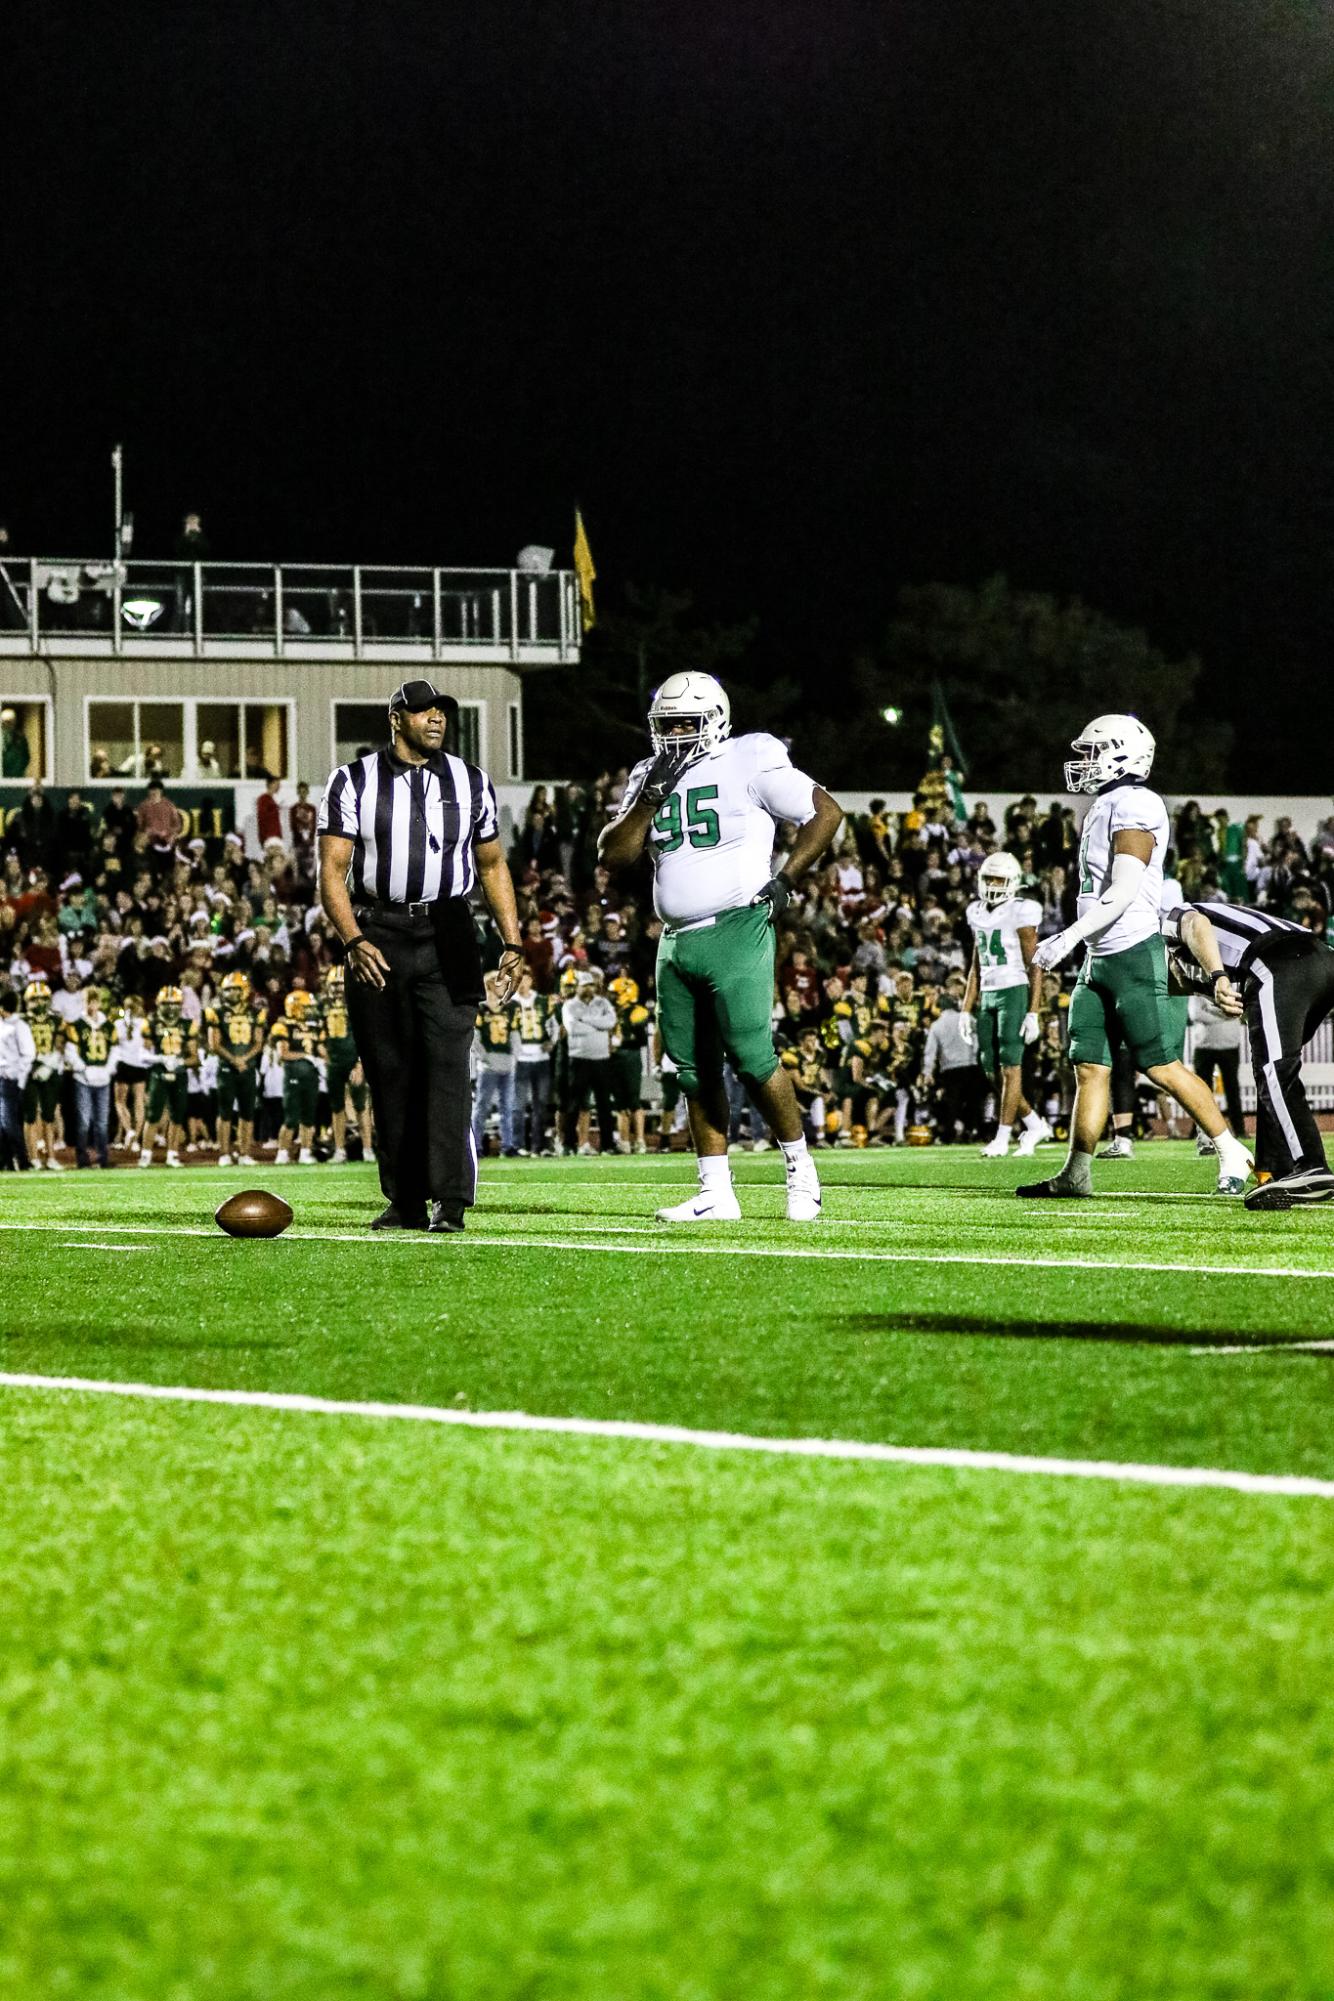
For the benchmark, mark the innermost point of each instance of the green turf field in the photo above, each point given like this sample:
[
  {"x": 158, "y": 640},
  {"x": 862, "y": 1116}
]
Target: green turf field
[{"x": 313, "y": 1703}]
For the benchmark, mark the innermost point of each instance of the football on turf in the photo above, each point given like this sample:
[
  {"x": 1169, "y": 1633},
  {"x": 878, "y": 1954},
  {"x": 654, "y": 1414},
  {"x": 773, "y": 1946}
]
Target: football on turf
[{"x": 254, "y": 1213}]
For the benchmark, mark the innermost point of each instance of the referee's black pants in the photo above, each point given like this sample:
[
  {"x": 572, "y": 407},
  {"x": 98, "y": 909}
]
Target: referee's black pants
[
  {"x": 414, "y": 1036},
  {"x": 1287, "y": 998},
  {"x": 1227, "y": 1062}
]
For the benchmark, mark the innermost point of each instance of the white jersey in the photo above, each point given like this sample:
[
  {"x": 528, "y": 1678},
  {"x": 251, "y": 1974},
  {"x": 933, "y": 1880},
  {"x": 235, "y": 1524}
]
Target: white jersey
[
  {"x": 1123, "y": 807},
  {"x": 1000, "y": 956},
  {"x": 712, "y": 838}
]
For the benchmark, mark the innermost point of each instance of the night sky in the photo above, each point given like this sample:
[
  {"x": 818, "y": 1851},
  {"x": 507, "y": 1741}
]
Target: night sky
[{"x": 801, "y": 299}]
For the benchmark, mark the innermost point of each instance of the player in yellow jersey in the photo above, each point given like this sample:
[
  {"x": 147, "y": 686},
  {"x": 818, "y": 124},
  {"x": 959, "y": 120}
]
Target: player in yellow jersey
[
  {"x": 173, "y": 1045},
  {"x": 344, "y": 1070},
  {"x": 236, "y": 1038},
  {"x": 41, "y": 1093},
  {"x": 299, "y": 1042}
]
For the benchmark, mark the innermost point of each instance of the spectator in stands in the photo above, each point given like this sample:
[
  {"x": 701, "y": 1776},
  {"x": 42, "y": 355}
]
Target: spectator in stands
[
  {"x": 268, "y": 813},
  {"x": 962, "y": 1085},
  {"x": 588, "y": 1022},
  {"x": 301, "y": 821},
  {"x": 15, "y": 750},
  {"x": 35, "y": 829}
]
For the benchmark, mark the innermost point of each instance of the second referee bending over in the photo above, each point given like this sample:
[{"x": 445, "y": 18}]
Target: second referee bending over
[
  {"x": 406, "y": 833},
  {"x": 1281, "y": 976}
]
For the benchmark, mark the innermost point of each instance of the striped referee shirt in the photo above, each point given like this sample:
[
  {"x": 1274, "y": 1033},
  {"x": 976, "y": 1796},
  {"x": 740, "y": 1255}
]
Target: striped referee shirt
[
  {"x": 413, "y": 826},
  {"x": 1241, "y": 932}
]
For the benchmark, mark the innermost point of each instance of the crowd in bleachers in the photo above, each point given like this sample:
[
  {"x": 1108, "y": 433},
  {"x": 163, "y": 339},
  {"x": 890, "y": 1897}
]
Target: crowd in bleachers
[{"x": 114, "y": 895}]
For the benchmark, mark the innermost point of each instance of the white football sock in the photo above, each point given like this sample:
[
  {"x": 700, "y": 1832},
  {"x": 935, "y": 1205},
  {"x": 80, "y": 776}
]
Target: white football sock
[
  {"x": 1003, "y": 1133},
  {"x": 1075, "y": 1173},
  {"x": 1032, "y": 1119},
  {"x": 794, "y": 1152},
  {"x": 715, "y": 1170}
]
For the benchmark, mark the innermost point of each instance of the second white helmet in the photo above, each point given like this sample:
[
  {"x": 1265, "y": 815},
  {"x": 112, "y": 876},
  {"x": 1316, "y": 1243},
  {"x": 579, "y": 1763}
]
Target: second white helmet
[
  {"x": 690, "y": 709},
  {"x": 998, "y": 880},
  {"x": 1112, "y": 747}
]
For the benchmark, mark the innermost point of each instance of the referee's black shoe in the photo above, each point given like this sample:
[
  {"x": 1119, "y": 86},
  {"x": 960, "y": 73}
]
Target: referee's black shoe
[
  {"x": 446, "y": 1219},
  {"x": 1292, "y": 1191},
  {"x": 391, "y": 1219}
]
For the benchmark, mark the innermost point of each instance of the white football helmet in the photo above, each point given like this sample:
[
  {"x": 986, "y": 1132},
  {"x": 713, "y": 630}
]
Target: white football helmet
[
  {"x": 1111, "y": 747},
  {"x": 998, "y": 880},
  {"x": 690, "y": 709}
]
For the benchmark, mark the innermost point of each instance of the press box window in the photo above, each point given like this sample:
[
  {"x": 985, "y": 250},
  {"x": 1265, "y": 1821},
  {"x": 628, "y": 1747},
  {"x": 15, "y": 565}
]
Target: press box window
[
  {"x": 135, "y": 740},
  {"x": 23, "y": 739}
]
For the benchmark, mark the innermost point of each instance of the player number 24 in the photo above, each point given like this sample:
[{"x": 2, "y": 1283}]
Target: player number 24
[{"x": 701, "y": 822}]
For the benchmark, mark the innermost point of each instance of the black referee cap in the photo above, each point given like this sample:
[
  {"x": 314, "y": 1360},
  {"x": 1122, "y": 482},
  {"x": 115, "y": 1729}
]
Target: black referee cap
[{"x": 414, "y": 695}]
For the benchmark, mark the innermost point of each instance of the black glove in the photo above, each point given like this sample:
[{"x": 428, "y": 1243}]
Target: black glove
[
  {"x": 777, "y": 893},
  {"x": 670, "y": 764}
]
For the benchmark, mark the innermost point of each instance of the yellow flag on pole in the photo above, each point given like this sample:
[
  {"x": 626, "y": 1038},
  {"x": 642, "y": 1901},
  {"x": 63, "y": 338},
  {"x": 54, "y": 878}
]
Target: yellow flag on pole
[{"x": 585, "y": 571}]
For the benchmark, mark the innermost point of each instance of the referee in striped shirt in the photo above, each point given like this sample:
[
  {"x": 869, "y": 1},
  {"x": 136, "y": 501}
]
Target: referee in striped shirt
[
  {"x": 1281, "y": 976},
  {"x": 406, "y": 834}
]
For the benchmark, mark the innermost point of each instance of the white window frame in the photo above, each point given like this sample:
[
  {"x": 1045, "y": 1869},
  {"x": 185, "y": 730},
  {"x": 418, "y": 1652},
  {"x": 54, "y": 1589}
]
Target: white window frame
[
  {"x": 479, "y": 709},
  {"x": 514, "y": 742},
  {"x": 47, "y": 706},
  {"x": 191, "y": 775}
]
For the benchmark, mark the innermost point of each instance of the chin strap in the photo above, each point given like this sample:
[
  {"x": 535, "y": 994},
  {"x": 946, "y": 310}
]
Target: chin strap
[{"x": 1116, "y": 899}]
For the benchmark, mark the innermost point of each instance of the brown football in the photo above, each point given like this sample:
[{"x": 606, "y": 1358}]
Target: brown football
[{"x": 254, "y": 1213}]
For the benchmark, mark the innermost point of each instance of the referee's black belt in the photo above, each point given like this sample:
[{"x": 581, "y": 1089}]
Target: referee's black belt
[{"x": 400, "y": 913}]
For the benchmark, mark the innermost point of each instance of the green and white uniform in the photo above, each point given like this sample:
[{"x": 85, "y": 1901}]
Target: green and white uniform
[
  {"x": 1003, "y": 978},
  {"x": 1121, "y": 995},
  {"x": 712, "y": 844}
]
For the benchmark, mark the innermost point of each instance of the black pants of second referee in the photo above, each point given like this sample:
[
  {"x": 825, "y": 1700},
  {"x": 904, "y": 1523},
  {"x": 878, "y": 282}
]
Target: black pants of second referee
[
  {"x": 1287, "y": 998},
  {"x": 414, "y": 1036}
]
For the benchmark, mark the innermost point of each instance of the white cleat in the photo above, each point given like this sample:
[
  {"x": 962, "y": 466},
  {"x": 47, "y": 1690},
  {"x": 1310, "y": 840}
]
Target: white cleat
[
  {"x": 996, "y": 1149},
  {"x": 245, "y": 1160},
  {"x": 368, "y": 1154},
  {"x": 224, "y": 1160},
  {"x": 305, "y": 1158},
  {"x": 145, "y": 1158},
  {"x": 804, "y": 1200},
  {"x": 56, "y": 1166},
  {"x": 282, "y": 1158},
  {"x": 338, "y": 1156},
  {"x": 1120, "y": 1148},
  {"x": 1031, "y": 1138},
  {"x": 710, "y": 1205},
  {"x": 173, "y": 1160}
]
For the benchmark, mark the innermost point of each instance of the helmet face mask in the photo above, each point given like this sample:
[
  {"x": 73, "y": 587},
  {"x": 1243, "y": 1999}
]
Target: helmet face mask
[
  {"x": 169, "y": 1003},
  {"x": 690, "y": 710},
  {"x": 998, "y": 880},
  {"x": 235, "y": 989},
  {"x": 1111, "y": 749},
  {"x": 297, "y": 1005},
  {"x": 37, "y": 998}
]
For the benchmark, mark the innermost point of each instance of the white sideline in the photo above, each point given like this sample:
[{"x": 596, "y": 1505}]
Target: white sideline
[
  {"x": 668, "y": 1242},
  {"x": 954, "y": 1458}
]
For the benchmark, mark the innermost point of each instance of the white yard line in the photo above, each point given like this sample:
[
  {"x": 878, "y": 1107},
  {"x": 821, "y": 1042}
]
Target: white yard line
[
  {"x": 956, "y": 1459},
  {"x": 669, "y": 1243},
  {"x": 1270, "y": 1348}
]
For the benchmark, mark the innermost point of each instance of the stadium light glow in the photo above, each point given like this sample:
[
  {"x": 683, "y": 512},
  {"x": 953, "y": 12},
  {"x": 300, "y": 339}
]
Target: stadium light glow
[{"x": 892, "y": 716}]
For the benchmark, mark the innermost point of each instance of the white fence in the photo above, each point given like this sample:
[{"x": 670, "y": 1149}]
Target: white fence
[{"x": 1317, "y": 1070}]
